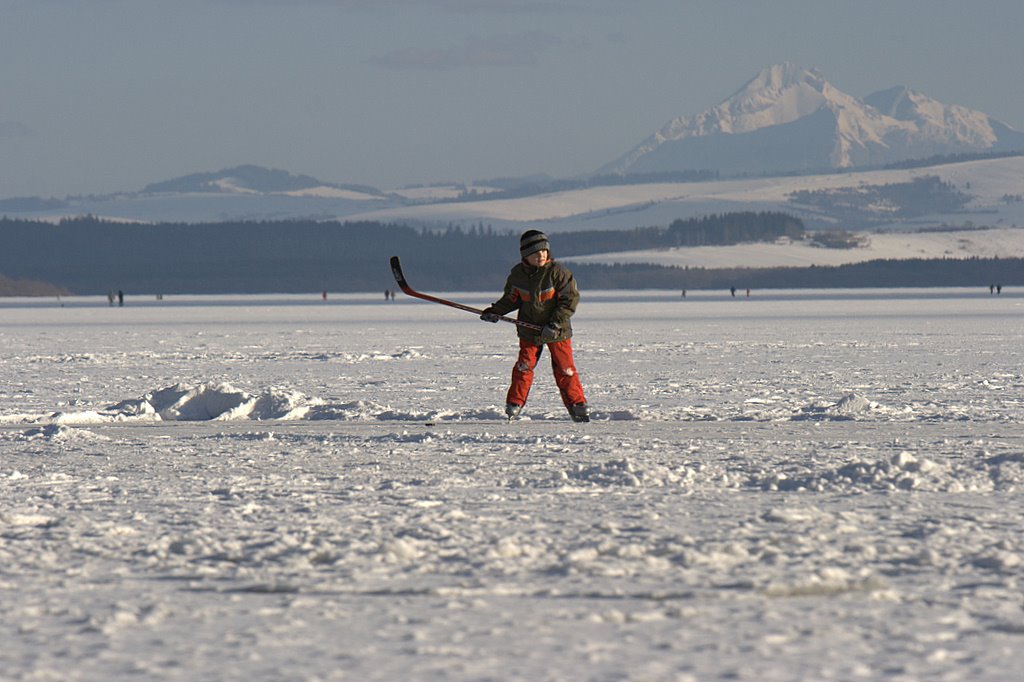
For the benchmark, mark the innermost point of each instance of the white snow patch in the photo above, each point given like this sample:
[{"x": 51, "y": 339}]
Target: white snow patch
[
  {"x": 325, "y": 192},
  {"x": 202, "y": 402},
  {"x": 28, "y": 519}
]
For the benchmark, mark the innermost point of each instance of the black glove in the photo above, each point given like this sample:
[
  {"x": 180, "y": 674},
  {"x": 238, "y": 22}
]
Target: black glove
[
  {"x": 549, "y": 333},
  {"x": 490, "y": 317}
]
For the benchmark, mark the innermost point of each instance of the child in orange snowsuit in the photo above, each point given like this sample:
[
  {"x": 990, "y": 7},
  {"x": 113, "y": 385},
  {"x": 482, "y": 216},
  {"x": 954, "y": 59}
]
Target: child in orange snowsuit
[{"x": 545, "y": 294}]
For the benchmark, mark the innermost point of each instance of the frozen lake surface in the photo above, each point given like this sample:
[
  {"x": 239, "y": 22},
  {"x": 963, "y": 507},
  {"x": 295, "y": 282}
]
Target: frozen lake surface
[{"x": 820, "y": 485}]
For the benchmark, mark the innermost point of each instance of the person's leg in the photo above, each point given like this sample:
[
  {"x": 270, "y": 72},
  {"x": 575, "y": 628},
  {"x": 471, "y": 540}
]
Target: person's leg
[
  {"x": 522, "y": 373},
  {"x": 566, "y": 377}
]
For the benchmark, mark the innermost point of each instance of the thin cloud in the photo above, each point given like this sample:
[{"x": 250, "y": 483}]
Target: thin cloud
[
  {"x": 454, "y": 6},
  {"x": 520, "y": 49},
  {"x": 11, "y": 129},
  {"x": 508, "y": 6}
]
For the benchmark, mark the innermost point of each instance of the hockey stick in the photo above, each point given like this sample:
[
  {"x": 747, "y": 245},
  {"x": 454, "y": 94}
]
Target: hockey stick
[{"x": 396, "y": 270}]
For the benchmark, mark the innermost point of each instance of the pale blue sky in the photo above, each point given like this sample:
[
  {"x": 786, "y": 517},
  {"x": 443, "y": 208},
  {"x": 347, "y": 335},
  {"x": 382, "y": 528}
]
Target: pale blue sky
[{"x": 99, "y": 96}]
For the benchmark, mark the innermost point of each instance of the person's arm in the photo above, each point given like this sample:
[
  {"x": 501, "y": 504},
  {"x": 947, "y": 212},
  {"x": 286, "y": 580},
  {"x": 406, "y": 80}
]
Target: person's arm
[
  {"x": 567, "y": 297},
  {"x": 506, "y": 304}
]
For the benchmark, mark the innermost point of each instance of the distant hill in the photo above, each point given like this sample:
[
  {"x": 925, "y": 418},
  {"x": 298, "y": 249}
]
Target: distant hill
[
  {"x": 29, "y": 204},
  {"x": 250, "y": 179},
  {"x": 788, "y": 118}
]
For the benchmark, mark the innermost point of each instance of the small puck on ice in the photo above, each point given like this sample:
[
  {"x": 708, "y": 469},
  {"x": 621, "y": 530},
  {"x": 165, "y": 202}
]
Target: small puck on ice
[{"x": 429, "y": 424}]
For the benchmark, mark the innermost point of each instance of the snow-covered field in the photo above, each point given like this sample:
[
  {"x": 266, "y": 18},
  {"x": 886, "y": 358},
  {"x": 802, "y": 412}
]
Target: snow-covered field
[
  {"x": 817, "y": 485},
  {"x": 989, "y": 243}
]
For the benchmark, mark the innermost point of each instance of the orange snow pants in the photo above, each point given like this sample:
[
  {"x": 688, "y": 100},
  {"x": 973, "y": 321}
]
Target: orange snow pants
[{"x": 562, "y": 365}]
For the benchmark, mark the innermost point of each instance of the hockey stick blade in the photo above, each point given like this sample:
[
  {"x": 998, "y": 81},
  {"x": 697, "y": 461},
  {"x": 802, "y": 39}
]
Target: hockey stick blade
[{"x": 403, "y": 284}]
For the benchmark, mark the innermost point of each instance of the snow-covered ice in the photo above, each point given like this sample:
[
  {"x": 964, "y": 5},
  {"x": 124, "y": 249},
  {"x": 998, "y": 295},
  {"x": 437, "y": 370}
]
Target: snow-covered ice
[{"x": 815, "y": 485}]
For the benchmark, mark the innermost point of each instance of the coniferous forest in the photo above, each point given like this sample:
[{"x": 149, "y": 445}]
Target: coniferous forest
[{"x": 92, "y": 256}]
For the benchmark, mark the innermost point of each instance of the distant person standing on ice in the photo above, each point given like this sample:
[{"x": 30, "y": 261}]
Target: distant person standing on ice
[{"x": 544, "y": 292}]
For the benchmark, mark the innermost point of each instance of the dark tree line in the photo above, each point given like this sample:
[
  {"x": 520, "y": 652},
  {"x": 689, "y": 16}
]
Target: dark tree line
[
  {"x": 920, "y": 196},
  {"x": 712, "y": 230},
  {"x": 735, "y": 228},
  {"x": 92, "y": 256},
  {"x": 942, "y": 159},
  {"x": 974, "y": 272},
  {"x": 89, "y": 255}
]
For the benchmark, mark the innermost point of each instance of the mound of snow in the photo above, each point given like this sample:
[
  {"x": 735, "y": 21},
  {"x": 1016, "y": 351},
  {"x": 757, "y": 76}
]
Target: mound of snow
[
  {"x": 212, "y": 401},
  {"x": 851, "y": 406},
  {"x": 183, "y": 402},
  {"x": 613, "y": 474},
  {"x": 901, "y": 472},
  {"x": 60, "y": 434},
  {"x": 280, "y": 403},
  {"x": 904, "y": 471},
  {"x": 202, "y": 402}
]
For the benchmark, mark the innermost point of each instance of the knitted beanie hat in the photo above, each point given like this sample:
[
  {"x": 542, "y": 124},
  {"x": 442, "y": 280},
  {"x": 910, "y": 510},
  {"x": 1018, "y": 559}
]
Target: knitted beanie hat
[{"x": 533, "y": 241}]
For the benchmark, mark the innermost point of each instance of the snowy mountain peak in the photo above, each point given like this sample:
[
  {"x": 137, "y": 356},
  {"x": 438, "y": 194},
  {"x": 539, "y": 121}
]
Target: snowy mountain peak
[
  {"x": 780, "y": 82},
  {"x": 781, "y": 76},
  {"x": 779, "y": 94},
  {"x": 790, "y": 118},
  {"x": 955, "y": 124},
  {"x": 896, "y": 101}
]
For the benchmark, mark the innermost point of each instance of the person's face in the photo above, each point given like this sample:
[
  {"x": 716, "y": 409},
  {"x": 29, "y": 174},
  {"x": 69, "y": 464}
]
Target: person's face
[{"x": 538, "y": 258}]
